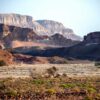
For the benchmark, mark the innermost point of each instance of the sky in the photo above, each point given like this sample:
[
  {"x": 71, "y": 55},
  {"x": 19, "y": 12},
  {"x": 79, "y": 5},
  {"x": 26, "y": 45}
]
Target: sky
[{"x": 83, "y": 16}]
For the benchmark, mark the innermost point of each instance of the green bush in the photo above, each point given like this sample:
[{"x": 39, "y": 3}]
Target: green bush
[
  {"x": 38, "y": 81},
  {"x": 51, "y": 91},
  {"x": 11, "y": 92},
  {"x": 68, "y": 85},
  {"x": 91, "y": 90}
]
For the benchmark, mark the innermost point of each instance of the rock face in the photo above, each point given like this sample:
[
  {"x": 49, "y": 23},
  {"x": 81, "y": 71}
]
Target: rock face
[
  {"x": 12, "y": 36},
  {"x": 12, "y": 33},
  {"x": 88, "y": 49},
  {"x": 54, "y": 27},
  {"x": 58, "y": 39},
  {"x": 41, "y": 27},
  {"x": 22, "y": 21},
  {"x": 17, "y": 20},
  {"x": 93, "y": 37}
]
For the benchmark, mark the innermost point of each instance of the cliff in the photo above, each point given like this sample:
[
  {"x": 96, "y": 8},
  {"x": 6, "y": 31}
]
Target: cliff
[{"x": 41, "y": 27}]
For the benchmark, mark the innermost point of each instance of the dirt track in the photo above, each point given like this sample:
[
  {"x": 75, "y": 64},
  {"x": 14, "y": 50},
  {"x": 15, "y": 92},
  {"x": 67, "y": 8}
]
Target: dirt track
[{"x": 72, "y": 70}]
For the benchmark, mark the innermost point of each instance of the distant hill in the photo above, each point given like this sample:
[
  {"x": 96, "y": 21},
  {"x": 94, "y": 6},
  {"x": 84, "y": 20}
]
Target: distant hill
[{"x": 89, "y": 48}]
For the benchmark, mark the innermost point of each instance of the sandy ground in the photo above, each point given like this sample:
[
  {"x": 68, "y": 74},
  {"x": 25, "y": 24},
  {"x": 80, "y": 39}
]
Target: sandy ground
[{"x": 72, "y": 70}]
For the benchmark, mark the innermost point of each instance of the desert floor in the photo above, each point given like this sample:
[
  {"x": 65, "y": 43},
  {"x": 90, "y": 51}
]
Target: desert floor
[{"x": 71, "y": 70}]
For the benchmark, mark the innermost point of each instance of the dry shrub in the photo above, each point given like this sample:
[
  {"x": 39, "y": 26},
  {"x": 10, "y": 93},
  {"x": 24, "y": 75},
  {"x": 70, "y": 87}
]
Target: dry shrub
[
  {"x": 2, "y": 63},
  {"x": 52, "y": 70}
]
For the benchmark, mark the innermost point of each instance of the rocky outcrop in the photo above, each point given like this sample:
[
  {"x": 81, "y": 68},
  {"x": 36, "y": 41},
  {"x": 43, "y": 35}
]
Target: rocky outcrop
[
  {"x": 6, "y": 57},
  {"x": 41, "y": 27},
  {"x": 60, "y": 40},
  {"x": 93, "y": 37},
  {"x": 88, "y": 49}
]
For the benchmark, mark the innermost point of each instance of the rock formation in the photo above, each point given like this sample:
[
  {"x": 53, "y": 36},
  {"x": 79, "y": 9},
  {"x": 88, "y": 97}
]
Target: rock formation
[
  {"x": 12, "y": 36},
  {"x": 41, "y": 27},
  {"x": 93, "y": 37},
  {"x": 23, "y": 21},
  {"x": 54, "y": 27},
  {"x": 88, "y": 49}
]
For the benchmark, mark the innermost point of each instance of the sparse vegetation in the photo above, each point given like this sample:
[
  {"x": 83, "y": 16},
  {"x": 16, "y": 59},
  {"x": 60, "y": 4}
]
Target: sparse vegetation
[
  {"x": 52, "y": 70},
  {"x": 38, "y": 81},
  {"x": 68, "y": 85},
  {"x": 2, "y": 63},
  {"x": 11, "y": 92},
  {"x": 51, "y": 91},
  {"x": 50, "y": 88},
  {"x": 97, "y": 64}
]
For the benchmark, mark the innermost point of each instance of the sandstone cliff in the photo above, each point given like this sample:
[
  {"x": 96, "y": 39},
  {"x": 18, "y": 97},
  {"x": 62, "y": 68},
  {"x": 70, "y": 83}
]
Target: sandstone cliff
[
  {"x": 23, "y": 21},
  {"x": 41, "y": 27},
  {"x": 56, "y": 27}
]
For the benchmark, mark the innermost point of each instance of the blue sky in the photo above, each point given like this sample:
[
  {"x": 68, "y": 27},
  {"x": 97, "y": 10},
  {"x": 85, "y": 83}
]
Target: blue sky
[{"x": 83, "y": 16}]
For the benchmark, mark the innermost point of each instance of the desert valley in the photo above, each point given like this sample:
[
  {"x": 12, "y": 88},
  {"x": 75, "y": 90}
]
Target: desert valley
[{"x": 44, "y": 60}]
